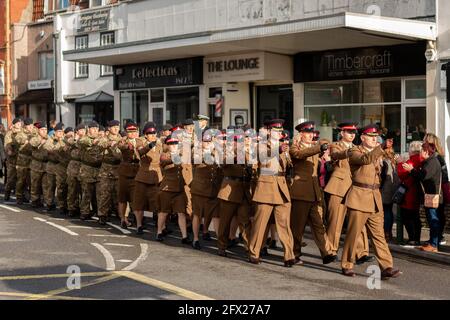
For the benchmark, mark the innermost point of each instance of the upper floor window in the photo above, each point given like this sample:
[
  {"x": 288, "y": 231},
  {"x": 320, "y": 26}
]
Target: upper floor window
[
  {"x": 46, "y": 65},
  {"x": 2, "y": 79},
  {"x": 81, "y": 68},
  {"x": 106, "y": 39},
  {"x": 63, "y": 4},
  {"x": 97, "y": 3}
]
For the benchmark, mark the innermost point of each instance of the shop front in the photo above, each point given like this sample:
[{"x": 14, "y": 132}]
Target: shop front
[
  {"x": 162, "y": 91},
  {"x": 249, "y": 88},
  {"x": 98, "y": 106},
  {"x": 376, "y": 85}
]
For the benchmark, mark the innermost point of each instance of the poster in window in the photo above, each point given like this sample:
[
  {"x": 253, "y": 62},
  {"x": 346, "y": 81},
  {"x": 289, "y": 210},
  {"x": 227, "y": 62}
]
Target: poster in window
[{"x": 238, "y": 117}]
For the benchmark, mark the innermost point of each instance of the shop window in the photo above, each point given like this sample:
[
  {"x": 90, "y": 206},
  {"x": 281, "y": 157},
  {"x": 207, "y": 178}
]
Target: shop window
[
  {"x": 2, "y": 79},
  {"x": 181, "y": 104},
  {"x": 63, "y": 4},
  {"x": 275, "y": 102},
  {"x": 134, "y": 106},
  {"x": 106, "y": 39},
  {"x": 157, "y": 95},
  {"x": 46, "y": 65},
  {"x": 214, "y": 92},
  {"x": 416, "y": 89},
  {"x": 81, "y": 68}
]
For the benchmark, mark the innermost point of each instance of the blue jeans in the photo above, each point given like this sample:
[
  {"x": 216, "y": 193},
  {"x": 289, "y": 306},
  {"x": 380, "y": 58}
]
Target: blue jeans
[
  {"x": 435, "y": 226},
  {"x": 388, "y": 217}
]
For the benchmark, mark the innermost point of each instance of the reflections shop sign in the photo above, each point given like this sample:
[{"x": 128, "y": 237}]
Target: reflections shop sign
[
  {"x": 360, "y": 63},
  {"x": 181, "y": 72}
]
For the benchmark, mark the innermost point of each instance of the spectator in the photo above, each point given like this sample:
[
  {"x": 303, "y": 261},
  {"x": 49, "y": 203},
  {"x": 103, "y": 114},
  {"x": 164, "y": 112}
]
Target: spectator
[
  {"x": 52, "y": 128},
  {"x": 410, "y": 208},
  {"x": 430, "y": 176},
  {"x": 433, "y": 139},
  {"x": 389, "y": 183}
]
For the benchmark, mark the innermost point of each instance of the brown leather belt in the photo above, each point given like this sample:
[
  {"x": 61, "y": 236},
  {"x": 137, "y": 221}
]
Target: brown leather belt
[{"x": 367, "y": 186}]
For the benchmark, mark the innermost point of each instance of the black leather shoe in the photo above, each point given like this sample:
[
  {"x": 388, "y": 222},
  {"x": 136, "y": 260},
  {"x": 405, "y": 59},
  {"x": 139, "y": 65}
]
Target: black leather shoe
[
  {"x": 62, "y": 211},
  {"x": 264, "y": 252},
  {"x": 186, "y": 241},
  {"x": 102, "y": 220},
  {"x": 85, "y": 217},
  {"x": 36, "y": 204},
  {"x": 348, "y": 272},
  {"x": 140, "y": 230},
  {"x": 125, "y": 225},
  {"x": 222, "y": 253},
  {"x": 7, "y": 197},
  {"x": 72, "y": 213},
  {"x": 254, "y": 260},
  {"x": 196, "y": 245},
  {"x": 273, "y": 244},
  {"x": 289, "y": 263},
  {"x": 298, "y": 261},
  {"x": 206, "y": 236},
  {"x": 232, "y": 243},
  {"x": 19, "y": 202},
  {"x": 329, "y": 259},
  {"x": 365, "y": 259},
  {"x": 159, "y": 237},
  {"x": 390, "y": 273},
  {"x": 166, "y": 231},
  {"x": 50, "y": 208}
]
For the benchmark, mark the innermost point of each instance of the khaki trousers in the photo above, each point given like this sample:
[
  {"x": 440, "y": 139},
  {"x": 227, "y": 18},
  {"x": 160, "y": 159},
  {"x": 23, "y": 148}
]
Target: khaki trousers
[
  {"x": 336, "y": 215},
  {"x": 374, "y": 223},
  {"x": 227, "y": 211},
  {"x": 282, "y": 214},
  {"x": 304, "y": 212}
]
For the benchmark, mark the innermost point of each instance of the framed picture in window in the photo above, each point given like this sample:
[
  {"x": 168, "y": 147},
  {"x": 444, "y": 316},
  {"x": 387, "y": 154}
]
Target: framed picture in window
[{"x": 238, "y": 117}]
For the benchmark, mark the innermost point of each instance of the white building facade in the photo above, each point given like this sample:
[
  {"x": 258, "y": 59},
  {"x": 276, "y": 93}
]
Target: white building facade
[{"x": 243, "y": 61}]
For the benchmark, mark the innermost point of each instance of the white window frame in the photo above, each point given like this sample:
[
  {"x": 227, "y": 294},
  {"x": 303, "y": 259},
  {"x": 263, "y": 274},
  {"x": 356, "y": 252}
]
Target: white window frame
[
  {"x": 81, "y": 68},
  {"x": 107, "y": 39},
  {"x": 45, "y": 76}
]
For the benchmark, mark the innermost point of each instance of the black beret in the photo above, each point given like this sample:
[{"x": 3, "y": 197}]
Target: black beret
[
  {"x": 69, "y": 129},
  {"x": 308, "y": 126},
  {"x": 16, "y": 120},
  {"x": 93, "y": 124},
  {"x": 59, "y": 126},
  {"x": 131, "y": 126},
  {"x": 40, "y": 125},
  {"x": 80, "y": 126},
  {"x": 28, "y": 121},
  {"x": 113, "y": 123},
  {"x": 149, "y": 127},
  {"x": 188, "y": 122},
  {"x": 101, "y": 128},
  {"x": 167, "y": 126}
]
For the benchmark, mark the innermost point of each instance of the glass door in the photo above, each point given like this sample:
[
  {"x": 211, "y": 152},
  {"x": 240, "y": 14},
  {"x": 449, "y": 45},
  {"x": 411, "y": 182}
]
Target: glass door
[{"x": 415, "y": 124}]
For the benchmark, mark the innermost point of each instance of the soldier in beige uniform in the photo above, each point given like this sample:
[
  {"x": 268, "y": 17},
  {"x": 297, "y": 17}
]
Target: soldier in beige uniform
[
  {"x": 365, "y": 206},
  {"x": 51, "y": 169},
  {"x": 307, "y": 196},
  {"x": 272, "y": 195},
  {"x": 73, "y": 171},
  {"x": 337, "y": 188},
  {"x": 148, "y": 177},
  {"x": 38, "y": 164},
  {"x": 108, "y": 176},
  {"x": 22, "y": 141},
  {"x": 11, "y": 157},
  {"x": 63, "y": 157}
]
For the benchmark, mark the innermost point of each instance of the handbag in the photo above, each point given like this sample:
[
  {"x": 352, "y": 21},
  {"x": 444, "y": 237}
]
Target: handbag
[
  {"x": 432, "y": 200},
  {"x": 399, "y": 194}
]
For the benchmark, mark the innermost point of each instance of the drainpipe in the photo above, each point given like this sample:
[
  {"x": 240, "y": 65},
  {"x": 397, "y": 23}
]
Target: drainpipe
[
  {"x": 8, "y": 63},
  {"x": 55, "y": 77}
]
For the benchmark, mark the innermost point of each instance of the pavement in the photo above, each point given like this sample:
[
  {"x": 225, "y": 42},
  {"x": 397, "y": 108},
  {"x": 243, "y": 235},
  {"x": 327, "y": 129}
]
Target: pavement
[{"x": 52, "y": 257}]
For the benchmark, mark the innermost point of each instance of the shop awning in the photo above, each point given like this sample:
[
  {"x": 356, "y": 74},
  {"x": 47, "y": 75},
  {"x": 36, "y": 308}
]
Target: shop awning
[
  {"x": 338, "y": 31},
  {"x": 96, "y": 97},
  {"x": 35, "y": 96}
]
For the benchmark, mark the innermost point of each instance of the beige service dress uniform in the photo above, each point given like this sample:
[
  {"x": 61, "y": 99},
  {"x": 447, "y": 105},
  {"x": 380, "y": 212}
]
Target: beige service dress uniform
[
  {"x": 307, "y": 198},
  {"x": 337, "y": 187},
  {"x": 365, "y": 207}
]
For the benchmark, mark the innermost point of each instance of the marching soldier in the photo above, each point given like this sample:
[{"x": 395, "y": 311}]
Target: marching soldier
[
  {"x": 306, "y": 193},
  {"x": 128, "y": 169},
  {"x": 172, "y": 195},
  {"x": 365, "y": 206},
  {"x": 148, "y": 177},
  {"x": 204, "y": 188},
  {"x": 108, "y": 176},
  {"x": 22, "y": 141},
  {"x": 272, "y": 195},
  {"x": 63, "y": 157},
  {"x": 337, "y": 188},
  {"x": 90, "y": 165},
  {"x": 38, "y": 164},
  {"x": 73, "y": 171},
  {"x": 52, "y": 166},
  {"x": 11, "y": 157}
]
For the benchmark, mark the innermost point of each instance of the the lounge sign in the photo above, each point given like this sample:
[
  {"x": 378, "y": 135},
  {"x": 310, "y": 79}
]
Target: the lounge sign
[
  {"x": 374, "y": 62},
  {"x": 246, "y": 67},
  {"x": 94, "y": 21},
  {"x": 170, "y": 73}
]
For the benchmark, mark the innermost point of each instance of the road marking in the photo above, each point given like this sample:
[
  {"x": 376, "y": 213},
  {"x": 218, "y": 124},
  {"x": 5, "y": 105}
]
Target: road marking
[
  {"x": 52, "y": 276},
  {"x": 124, "y": 231},
  {"x": 39, "y": 219},
  {"x": 62, "y": 228},
  {"x": 142, "y": 257},
  {"x": 81, "y": 227},
  {"x": 20, "y": 294},
  {"x": 124, "y": 261},
  {"x": 106, "y": 235},
  {"x": 118, "y": 245},
  {"x": 110, "y": 265},
  {"x": 9, "y": 208},
  {"x": 164, "y": 286}
]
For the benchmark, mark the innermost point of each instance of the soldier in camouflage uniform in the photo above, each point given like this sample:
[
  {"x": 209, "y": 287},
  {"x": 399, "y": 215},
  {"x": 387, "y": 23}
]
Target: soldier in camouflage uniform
[
  {"x": 73, "y": 171},
  {"x": 63, "y": 157},
  {"x": 22, "y": 141},
  {"x": 11, "y": 157},
  {"x": 38, "y": 164},
  {"x": 109, "y": 172},
  {"x": 52, "y": 146},
  {"x": 91, "y": 160}
]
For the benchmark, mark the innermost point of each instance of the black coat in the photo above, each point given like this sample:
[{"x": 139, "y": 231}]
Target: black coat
[{"x": 430, "y": 175}]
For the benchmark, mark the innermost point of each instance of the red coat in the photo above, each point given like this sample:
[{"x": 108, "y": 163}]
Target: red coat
[{"x": 413, "y": 195}]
